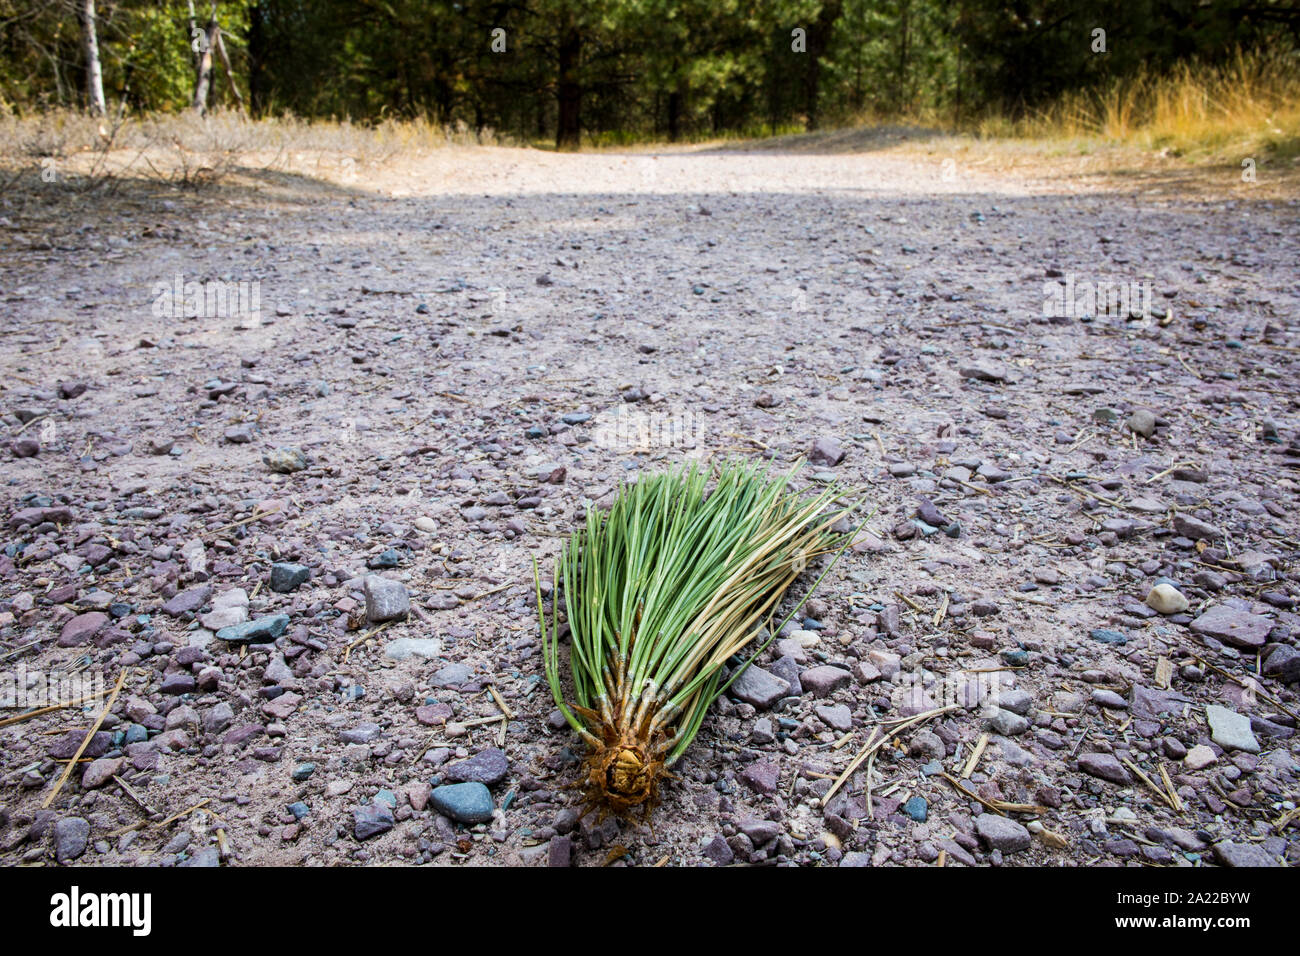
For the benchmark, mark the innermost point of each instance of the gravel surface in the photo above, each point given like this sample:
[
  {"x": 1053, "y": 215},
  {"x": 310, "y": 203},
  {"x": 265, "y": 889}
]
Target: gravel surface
[{"x": 306, "y": 534}]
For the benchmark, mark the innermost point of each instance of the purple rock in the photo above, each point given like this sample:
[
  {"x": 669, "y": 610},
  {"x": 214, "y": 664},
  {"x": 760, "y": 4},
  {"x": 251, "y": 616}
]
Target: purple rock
[
  {"x": 487, "y": 767},
  {"x": 82, "y": 629},
  {"x": 372, "y": 820},
  {"x": 824, "y": 680},
  {"x": 761, "y": 776},
  {"x": 759, "y": 687},
  {"x": 826, "y": 451},
  {"x": 1233, "y": 626},
  {"x": 188, "y": 601},
  {"x": 718, "y": 851},
  {"x": 1105, "y": 766},
  {"x": 177, "y": 683},
  {"x": 560, "y": 851},
  {"x": 1001, "y": 833}
]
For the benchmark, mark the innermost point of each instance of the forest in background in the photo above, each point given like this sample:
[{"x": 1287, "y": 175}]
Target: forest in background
[{"x": 610, "y": 71}]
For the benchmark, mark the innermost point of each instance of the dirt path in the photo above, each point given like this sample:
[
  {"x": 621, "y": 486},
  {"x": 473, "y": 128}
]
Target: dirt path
[{"x": 421, "y": 333}]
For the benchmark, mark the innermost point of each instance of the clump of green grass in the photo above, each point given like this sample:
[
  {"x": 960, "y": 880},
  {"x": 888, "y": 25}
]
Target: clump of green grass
[{"x": 660, "y": 593}]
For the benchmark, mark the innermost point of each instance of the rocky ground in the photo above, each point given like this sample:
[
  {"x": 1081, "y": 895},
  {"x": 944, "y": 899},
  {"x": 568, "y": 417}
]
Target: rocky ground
[{"x": 303, "y": 538}]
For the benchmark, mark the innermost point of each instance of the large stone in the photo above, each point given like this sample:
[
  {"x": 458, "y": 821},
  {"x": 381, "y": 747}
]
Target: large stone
[
  {"x": 826, "y": 451},
  {"x": 1233, "y": 626},
  {"x": 761, "y": 776},
  {"x": 372, "y": 820},
  {"x": 1007, "y": 723},
  {"x": 452, "y": 675},
  {"x": 1167, "y": 599},
  {"x": 759, "y": 687},
  {"x": 1142, "y": 421},
  {"x": 100, "y": 772},
  {"x": 1283, "y": 663},
  {"x": 287, "y": 577},
  {"x": 1001, "y": 833},
  {"x": 463, "y": 802},
  {"x": 386, "y": 599},
  {"x": 82, "y": 629},
  {"x": 1199, "y": 757},
  {"x": 261, "y": 630},
  {"x": 1148, "y": 703},
  {"x": 1230, "y": 730},
  {"x": 1195, "y": 528},
  {"x": 1242, "y": 854},
  {"x": 488, "y": 767},
  {"x": 188, "y": 601},
  {"x": 404, "y": 647},
  {"x": 71, "y": 835},
  {"x": 824, "y": 680},
  {"x": 1106, "y": 767}
]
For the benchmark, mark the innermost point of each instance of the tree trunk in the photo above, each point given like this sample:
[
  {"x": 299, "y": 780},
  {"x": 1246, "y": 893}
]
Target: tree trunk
[
  {"x": 568, "y": 129},
  {"x": 902, "y": 59},
  {"x": 674, "y": 115},
  {"x": 203, "y": 78},
  {"x": 819, "y": 38},
  {"x": 258, "y": 93},
  {"x": 94, "y": 72}
]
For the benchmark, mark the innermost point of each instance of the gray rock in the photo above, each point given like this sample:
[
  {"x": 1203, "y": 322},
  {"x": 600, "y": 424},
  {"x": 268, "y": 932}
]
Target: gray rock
[
  {"x": 287, "y": 577},
  {"x": 1143, "y": 422},
  {"x": 1001, "y": 833},
  {"x": 218, "y": 719},
  {"x": 1108, "y": 698},
  {"x": 71, "y": 835},
  {"x": 1242, "y": 854},
  {"x": 386, "y": 599},
  {"x": 453, "y": 675},
  {"x": 361, "y": 734},
  {"x": 835, "y": 716},
  {"x": 404, "y": 647},
  {"x": 984, "y": 372},
  {"x": 759, "y": 687},
  {"x": 1284, "y": 664},
  {"x": 1007, "y": 723},
  {"x": 285, "y": 460},
  {"x": 1230, "y": 730},
  {"x": 261, "y": 630},
  {"x": 208, "y": 856},
  {"x": 463, "y": 802},
  {"x": 1017, "y": 701}
]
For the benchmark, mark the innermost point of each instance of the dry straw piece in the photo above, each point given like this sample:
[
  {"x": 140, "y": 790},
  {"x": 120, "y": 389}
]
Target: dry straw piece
[{"x": 660, "y": 593}]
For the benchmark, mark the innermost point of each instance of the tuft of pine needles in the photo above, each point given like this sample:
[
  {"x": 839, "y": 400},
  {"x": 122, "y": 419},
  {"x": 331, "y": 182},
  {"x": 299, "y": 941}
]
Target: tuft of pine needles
[{"x": 660, "y": 593}]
